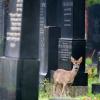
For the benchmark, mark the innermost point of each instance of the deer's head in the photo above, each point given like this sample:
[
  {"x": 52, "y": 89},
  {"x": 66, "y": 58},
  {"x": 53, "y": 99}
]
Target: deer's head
[{"x": 76, "y": 63}]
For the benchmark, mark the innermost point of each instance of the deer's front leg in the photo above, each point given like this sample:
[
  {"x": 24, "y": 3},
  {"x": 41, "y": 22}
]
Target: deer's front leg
[{"x": 63, "y": 89}]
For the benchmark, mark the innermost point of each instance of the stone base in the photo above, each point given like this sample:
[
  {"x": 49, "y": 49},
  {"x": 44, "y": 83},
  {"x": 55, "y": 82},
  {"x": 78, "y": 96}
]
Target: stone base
[
  {"x": 19, "y": 78},
  {"x": 96, "y": 88},
  {"x": 64, "y": 99},
  {"x": 78, "y": 91},
  {"x": 81, "y": 79},
  {"x": 72, "y": 91}
]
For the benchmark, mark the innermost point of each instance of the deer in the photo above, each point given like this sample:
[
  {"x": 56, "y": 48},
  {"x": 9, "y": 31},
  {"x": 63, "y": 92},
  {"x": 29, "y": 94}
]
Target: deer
[{"x": 65, "y": 78}]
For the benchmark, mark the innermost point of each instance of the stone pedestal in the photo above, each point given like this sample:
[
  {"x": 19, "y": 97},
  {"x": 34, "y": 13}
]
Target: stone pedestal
[
  {"x": 19, "y": 78},
  {"x": 96, "y": 88},
  {"x": 67, "y": 98}
]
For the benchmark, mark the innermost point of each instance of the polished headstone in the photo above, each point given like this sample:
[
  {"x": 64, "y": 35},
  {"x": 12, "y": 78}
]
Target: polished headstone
[
  {"x": 54, "y": 33},
  {"x": 68, "y": 48},
  {"x": 78, "y": 50},
  {"x": 65, "y": 14},
  {"x": 94, "y": 26},
  {"x": 30, "y": 29},
  {"x": 13, "y": 34},
  {"x": 79, "y": 18},
  {"x": 23, "y": 30},
  {"x": 51, "y": 13},
  {"x": 20, "y": 63},
  {"x": 64, "y": 53}
]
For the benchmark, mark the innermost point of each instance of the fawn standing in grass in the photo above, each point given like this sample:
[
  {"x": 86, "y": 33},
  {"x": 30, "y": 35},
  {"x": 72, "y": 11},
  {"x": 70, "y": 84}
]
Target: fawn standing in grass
[{"x": 64, "y": 77}]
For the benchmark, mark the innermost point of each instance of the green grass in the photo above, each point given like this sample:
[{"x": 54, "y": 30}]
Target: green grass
[{"x": 45, "y": 93}]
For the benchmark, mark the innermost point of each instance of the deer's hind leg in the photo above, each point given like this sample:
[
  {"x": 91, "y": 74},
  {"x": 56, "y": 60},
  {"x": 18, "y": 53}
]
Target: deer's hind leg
[{"x": 54, "y": 88}]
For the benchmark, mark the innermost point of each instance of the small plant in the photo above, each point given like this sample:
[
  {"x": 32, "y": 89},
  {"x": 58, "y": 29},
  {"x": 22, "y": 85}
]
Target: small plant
[
  {"x": 88, "y": 61},
  {"x": 45, "y": 89}
]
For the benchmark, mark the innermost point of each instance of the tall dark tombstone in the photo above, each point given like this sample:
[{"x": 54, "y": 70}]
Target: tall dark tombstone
[
  {"x": 54, "y": 33},
  {"x": 20, "y": 63},
  {"x": 70, "y": 16},
  {"x": 73, "y": 42},
  {"x": 94, "y": 26},
  {"x": 48, "y": 40},
  {"x": 94, "y": 38}
]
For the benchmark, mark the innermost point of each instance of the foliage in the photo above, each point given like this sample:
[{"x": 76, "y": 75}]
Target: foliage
[
  {"x": 92, "y": 2},
  {"x": 45, "y": 89},
  {"x": 88, "y": 61}
]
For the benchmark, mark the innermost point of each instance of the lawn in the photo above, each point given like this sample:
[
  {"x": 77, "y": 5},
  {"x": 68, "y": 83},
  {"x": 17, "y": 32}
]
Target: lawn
[{"x": 46, "y": 87}]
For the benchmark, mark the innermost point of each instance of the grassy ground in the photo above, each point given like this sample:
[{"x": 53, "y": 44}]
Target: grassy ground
[{"x": 45, "y": 89}]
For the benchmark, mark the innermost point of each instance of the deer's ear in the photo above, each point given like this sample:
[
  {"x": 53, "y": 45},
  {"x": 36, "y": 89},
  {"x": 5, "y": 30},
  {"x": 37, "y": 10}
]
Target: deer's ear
[
  {"x": 80, "y": 59},
  {"x": 72, "y": 59}
]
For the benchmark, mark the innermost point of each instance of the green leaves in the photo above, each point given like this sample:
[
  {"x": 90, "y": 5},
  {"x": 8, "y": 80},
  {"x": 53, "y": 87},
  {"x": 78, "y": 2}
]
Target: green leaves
[
  {"x": 92, "y": 2},
  {"x": 88, "y": 61}
]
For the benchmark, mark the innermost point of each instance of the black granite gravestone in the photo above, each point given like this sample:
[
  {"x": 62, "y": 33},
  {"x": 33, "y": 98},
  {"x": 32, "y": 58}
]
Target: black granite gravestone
[
  {"x": 94, "y": 39},
  {"x": 54, "y": 33},
  {"x": 20, "y": 63},
  {"x": 51, "y": 13},
  {"x": 70, "y": 16},
  {"x": 18, "y": 37},
  {"x": 94, "y": 26},
  {"x": 72, "y": 32},
  {"x": 76, "y": 48},
  {"x": 68, "y": 47}
]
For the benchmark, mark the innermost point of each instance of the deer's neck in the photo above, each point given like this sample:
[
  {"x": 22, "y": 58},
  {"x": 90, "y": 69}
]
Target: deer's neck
[{"x": 74, "y": 72}]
